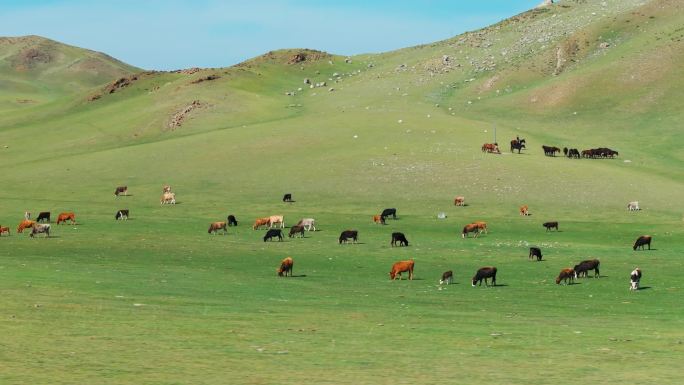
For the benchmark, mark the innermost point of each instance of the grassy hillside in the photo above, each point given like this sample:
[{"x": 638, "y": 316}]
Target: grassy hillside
[{"x": 157, "y": 300}]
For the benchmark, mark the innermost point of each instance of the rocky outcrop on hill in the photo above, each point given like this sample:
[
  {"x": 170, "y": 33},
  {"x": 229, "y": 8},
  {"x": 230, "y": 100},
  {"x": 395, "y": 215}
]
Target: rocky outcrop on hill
[{"x": 179, "y": 117}]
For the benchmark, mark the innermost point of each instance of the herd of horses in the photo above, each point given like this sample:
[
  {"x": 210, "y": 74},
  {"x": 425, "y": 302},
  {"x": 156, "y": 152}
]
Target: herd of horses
[{"x": 573, "y": 153}]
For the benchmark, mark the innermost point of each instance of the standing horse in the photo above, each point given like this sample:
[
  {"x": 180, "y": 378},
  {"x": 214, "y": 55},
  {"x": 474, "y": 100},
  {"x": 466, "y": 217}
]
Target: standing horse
[{"x": 517, "y": 144}]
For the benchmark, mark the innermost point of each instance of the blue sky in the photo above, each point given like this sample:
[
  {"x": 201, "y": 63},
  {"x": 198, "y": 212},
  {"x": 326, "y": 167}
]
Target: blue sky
[{"x": 172, "y": 34}]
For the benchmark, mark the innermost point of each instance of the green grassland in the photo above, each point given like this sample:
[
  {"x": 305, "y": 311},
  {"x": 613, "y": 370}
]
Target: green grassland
[{"x": 156, "y": 300}]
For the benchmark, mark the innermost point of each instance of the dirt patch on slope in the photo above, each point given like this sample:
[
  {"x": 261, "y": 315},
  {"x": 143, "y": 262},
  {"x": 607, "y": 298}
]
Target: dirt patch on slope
[{"x": 30, "y": 58}]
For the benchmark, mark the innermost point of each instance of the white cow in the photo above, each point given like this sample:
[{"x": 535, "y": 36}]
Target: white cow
[
  {"x": 634, "y": 279},
  {"x": 307, "y": 223},
  {"x": 633, "y": 206},
  {"x": 39, "y": 228}
]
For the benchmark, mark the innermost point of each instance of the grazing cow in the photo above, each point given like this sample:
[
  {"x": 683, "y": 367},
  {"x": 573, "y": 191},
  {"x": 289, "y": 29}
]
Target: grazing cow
[
  {"x": 296, "y": 229},
  {"x": 633, "y": 206},
  {"x": 582, "y": 269},
  {"x": 517, "y": 145},
  {"x": 550, "y": 225},
  {"x": 551, "y": 150},
  {"x": 4, "y": 229},
  {"x": 387, "y": 212},
  {"x": 399, "y": 237},
  {"x": 491, "y": 148},
  {"x": 273, "y": 233},
  {"x": 482, "y": 226},
  {"x": 121, "y": 190},
  {"x": 471, "y": 228},
  {"x": 43, "y": 216},
  {"x": 524, "y": 210},
  {"x": 231, "y": 220},
  {"x": 642, "y": 241},
  {"x": 168, "y": 198},
  {"x": 401, "y": 267},
  {"x": 40, "y": 228},
  {"x": 349, "y": 234},
  {"x": 261, "y": 222},
  {"x": 25, "y": 224},
  {"x": 484, "y": 274},
  {"x": 286, "y": 266},
  {"x": 216, "y": 226},
  {"x": 166, "y": 189},
  {"x": 308, "y": 223},
  {"x": 574, "y": 153},
  {"x": 447, "y": 277},
  {"x": 634, "y": 279},
  {"x": 535, "y": 252},
  {"x": 565, "y": 151},
  {"x": 287, "y": 198},
  {"x": 459, "y": 201},
  {"x": 276, "y": 219},
  {"x": 121, "y": 215},
  {"x": 379, "y": 219},
  {"x": 566, "y": 275},
  {"x": 63, "y": 217}
]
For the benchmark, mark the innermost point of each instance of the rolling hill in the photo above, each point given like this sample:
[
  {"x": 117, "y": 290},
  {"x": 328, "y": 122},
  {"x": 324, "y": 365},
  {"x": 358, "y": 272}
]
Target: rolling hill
[{"x": 157, "y": 300}]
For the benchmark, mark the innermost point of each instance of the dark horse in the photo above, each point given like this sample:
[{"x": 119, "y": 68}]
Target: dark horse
[{"x": 517, "y": 144}]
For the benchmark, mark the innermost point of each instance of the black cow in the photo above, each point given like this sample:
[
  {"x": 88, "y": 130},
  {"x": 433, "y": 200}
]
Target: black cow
[
  {"x": 642, "y": 241},
  {"x": 550, "y": 225},
  {"x": 550, "y": 150},
  {"x": 387, "y": 212},
  {"x": 272, "y": 233},
  {"x": 535, "y": 252},
  {"x": 565, "y": 151},
  {"x": 43, "y": 216},
  {"x": 484, "y": 274},
  {"x": 231, "y": 220},
  {"x": 349, "y": 234},
  {"x": 574, "y": 153},
  {"x": 296, "y": 229},
  {"x": 399, "y": 237},
  {"x": 121, "y": 215},
  {"x": 287, "y": 198},
  {"x": 583, "y": 268},
  {"x": 447, "y": 277}
]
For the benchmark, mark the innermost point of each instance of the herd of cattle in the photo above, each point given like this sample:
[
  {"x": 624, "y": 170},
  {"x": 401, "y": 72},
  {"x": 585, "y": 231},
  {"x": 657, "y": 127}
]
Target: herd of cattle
[
  {"x": 519, "y": 144},
  {"x": 567, "y": 275}
]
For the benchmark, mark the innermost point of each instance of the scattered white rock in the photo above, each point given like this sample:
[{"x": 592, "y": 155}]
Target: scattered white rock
[{"x": 400, "y": 121}]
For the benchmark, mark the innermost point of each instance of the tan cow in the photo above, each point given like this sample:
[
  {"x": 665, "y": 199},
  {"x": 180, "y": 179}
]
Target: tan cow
[
  {"x": 277, "y": 219},
  {"x": 524, "y": 210},
  {"x": 459, "y": 201},
  {"x": 168, "y": 198}
]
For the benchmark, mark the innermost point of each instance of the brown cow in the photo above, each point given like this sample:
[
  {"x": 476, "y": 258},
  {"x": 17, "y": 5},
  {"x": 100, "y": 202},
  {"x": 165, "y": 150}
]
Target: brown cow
[
  {"x": 216, "y": 226},
  {"x": 471, "y": 228},
  {"x": 379, "y": 219},
  {"x": 642, "y": 241},
  {"x": 491, "y": 148},
  {"x": 25, "y": 224},
  {"x": 286, "y": 266},
  {"x": 567, "y": 274},
  {"x": 401, "y": 267},
  {"x": 63, "y": 217},
  {"x": 296, "y": 230},
  {"x": 523, "y": 210},
  {"x": 482, "y": 226},
  {"x": 261, "y": 222},
  {"x": 459, "y": 201},
  {"x": 121, "y": 190},
  {"x": 4, "y": 230}
]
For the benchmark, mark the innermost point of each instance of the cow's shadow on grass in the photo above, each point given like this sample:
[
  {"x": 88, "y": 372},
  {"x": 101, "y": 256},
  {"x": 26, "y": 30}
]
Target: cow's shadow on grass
[
  {"x": 298, "y": 276},
  {"x": 644, "y": 288}
]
